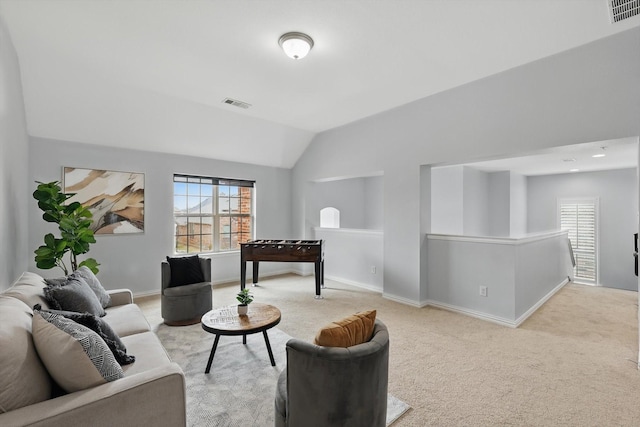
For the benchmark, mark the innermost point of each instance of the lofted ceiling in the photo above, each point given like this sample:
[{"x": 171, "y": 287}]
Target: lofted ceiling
[{"x": 152, "y": 74}]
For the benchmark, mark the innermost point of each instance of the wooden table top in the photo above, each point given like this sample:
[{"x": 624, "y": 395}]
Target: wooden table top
[{"x": 227, "y": 321}]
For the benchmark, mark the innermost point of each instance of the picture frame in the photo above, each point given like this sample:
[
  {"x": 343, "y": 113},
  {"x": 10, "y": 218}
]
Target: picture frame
[{"x": 116, "y": 199}]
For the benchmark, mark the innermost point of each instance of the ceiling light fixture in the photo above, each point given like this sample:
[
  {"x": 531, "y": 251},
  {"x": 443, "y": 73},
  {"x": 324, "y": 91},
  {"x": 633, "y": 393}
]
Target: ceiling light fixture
[
  {"x": 574, "y": 170},
  {"x": 296, "y": 45}
]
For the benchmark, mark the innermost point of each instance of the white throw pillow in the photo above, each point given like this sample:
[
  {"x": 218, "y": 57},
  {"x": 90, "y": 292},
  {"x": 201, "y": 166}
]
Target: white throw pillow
[{"x": 75, "y": 356}]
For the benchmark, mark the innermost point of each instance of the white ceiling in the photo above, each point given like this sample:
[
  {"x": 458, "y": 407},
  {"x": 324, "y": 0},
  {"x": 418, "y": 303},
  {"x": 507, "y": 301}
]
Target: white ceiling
[
  {"x": 152, "y": 74},
  {"x": 618, "y": 154}
]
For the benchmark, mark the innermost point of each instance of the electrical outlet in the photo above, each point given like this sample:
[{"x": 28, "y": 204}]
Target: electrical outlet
[
  {"x": 483, "y": 291},
  {"x": 373, "y": 269}
]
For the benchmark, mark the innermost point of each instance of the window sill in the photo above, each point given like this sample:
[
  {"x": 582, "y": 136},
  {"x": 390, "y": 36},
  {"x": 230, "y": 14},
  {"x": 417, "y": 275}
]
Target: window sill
[{"x": 213, "y": 255}]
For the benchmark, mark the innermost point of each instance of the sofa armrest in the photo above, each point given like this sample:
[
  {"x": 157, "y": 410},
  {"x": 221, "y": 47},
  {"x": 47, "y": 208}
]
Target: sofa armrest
[
  {"x": 155, "y": 397},
  {"x": 120, "y": 297}
]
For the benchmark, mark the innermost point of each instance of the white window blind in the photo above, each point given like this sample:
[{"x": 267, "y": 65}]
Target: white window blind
[{"x": 578, "y": 217}]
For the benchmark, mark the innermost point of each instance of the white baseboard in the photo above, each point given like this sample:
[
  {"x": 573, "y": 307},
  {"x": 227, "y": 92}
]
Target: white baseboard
[
  {"x": 497, "y": 319},
  {"x": 226, "y": 281},
  {"x": 221, "y": 282},
  {"x": 402, "y": 300},
  {"x": 539, "y": 304},
  {"x": 354, "y": 283},
  {"x": 473, "y": 313},
  {"x": 145, "y": 294}
]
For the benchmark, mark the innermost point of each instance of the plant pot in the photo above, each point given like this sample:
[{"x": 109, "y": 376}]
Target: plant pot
[{"x": 242, "y": 309}]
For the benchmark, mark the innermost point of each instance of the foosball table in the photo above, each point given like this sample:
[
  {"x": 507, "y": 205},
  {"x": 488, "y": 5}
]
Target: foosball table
[{"x": 282, "y": 251}]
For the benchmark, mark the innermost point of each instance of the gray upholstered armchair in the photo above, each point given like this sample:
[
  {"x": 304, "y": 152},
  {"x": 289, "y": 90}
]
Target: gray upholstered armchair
[
  {"x": 185, "y": 305},
  {"x": 335, "y": 386}
]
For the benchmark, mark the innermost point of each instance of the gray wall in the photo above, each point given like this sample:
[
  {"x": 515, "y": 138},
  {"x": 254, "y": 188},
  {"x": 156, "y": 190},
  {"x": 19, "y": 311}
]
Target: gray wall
[
  {"x": 499, "y": 204},
  {"x": 373, "y": 206},
  {"x": 133, "y": 261},
  {"x": 518, "y": 205},
  {"x": 447, "y": 203},
  {"x": 528, "y": 108},
  {"x": 475, "y": 202},
  {"x": 359, "y": 201},
  {"x": 14, "y": 178},
  {"x": 617, "y": 191}
]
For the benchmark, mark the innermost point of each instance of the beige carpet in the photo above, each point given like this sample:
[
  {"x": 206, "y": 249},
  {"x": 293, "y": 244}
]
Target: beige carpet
[
  {"x": 240, "y": 388},
  {"x": 571, "y": 364}
]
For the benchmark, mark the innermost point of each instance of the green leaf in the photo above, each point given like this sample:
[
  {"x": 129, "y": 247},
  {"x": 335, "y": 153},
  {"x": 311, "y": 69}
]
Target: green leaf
[
  {"x": 46, "y": 264},
  {"x": 61, "y": 245},
  {"x": 49, "y": 240},
  {"x": 49, "y": 217},
  {"x": 91, "y": 263},
  {"x": 73, "y": 207},
  {"x": 44, "y": 252}
]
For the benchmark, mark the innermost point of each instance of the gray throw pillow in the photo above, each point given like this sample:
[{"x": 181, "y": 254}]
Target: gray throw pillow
[
  {"x": 87, "y": 275},
  {"x": 95, "y": 285},
  {"x": 74, "y": 295}
]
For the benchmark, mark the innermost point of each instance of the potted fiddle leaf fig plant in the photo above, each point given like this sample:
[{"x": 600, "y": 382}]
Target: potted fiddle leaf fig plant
[
  {"x": 244, "y": 298},
  {"x": 74, "y": 221}
]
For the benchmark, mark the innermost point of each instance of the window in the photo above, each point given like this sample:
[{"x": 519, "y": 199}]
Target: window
[
  {"x": 211, "y": 214},
  {"x": 579, "y": 218}
]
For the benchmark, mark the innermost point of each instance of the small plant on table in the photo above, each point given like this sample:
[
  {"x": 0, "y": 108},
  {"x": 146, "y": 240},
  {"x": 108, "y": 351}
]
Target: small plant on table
[{"x": 244, "y": 298}]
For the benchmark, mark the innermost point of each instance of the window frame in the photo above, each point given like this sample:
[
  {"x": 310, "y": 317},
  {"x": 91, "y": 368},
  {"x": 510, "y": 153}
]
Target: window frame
[{"x": 216, "y": 214}]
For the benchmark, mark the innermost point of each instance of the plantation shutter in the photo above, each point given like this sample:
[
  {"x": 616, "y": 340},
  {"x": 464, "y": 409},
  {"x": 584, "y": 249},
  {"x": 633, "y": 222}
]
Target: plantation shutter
[{"x": 579, "y": 219}]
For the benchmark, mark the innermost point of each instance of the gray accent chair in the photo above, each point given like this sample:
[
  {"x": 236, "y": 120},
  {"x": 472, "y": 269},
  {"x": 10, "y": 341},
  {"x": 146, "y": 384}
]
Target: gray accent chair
[
  {"x": 185, "y": 305},
  {"x": 335, "y": 386}
]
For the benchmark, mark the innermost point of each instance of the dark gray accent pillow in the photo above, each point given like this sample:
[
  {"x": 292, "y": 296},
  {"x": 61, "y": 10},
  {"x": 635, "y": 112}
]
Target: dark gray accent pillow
[
  {"x": 74, "y": 295},
  {"x": 99, "y": 326},
  {"x": 185, "y": 270},
  {"x": 87, "y": 275},
  {"x": 94, "y": 284}
]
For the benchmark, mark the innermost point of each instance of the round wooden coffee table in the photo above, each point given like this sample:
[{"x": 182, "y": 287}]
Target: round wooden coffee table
[{"x": 227, "y": 321}]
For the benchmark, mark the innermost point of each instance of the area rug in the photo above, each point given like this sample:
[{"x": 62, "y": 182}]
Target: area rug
[{"x": 240, "y": 389}]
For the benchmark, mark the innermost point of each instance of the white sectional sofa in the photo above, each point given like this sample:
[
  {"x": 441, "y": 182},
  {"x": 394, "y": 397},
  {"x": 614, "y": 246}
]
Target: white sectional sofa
[{"x": 152, "y": 391}]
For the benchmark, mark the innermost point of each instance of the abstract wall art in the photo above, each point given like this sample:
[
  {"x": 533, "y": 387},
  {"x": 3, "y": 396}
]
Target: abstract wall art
[{"x": 116, "y": 199}]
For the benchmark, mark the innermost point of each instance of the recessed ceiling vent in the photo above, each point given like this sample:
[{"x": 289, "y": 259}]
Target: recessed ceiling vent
[
  {"x": 241, "y": 104},
  {"x": 623, "y": 9}
]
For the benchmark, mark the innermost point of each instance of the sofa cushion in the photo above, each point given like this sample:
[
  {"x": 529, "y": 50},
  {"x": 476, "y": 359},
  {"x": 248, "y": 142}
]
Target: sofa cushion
[
  {"x": 185, "y": 270},
  {"x": 23, "y": 378},
  {"x": 127, "y": 320},
  {"x": 352, "y": 330},
  {"x": 100, "y": 327},
  {"x": 74, "y": 295},
  {"x": 75, "y": 356},
  {"x": 184, "y": 290},
  {"x": 29, "y": 289},
  {"x": 149, "y": 353}
]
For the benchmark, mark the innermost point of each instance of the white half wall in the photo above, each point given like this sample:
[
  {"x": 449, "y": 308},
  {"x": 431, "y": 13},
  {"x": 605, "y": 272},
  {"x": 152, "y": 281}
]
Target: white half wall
[
  {"x": 353, "y": 256},
  {"x": 518, "y": 274}
]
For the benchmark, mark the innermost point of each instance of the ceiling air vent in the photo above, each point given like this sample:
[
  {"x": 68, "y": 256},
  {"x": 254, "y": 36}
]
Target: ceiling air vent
[
  {"x": 623, "y": 9},
  {"x": 241, "y": 104}
]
